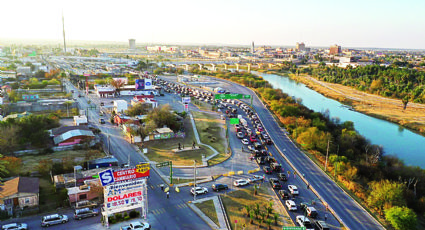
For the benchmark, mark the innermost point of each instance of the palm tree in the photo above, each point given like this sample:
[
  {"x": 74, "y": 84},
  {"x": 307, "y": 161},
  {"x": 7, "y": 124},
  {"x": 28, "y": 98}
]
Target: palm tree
[
  {"x": 251, "y": 216},
  {"x": 255, "y": 190},
  {"x": 269, "y": 223},
  {"x": 269, "y": 209},
  {"x": 263, "y": 216},
  {"x": 276, "y": 216},
  {"x": 248, "y": 209}
]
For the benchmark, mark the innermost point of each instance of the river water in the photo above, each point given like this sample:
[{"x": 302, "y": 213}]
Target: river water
[{"x": 406, "y": 145}]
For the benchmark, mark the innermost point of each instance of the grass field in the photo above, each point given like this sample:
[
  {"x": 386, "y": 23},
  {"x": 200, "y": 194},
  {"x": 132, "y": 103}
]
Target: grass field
[
  {"x": 161, "y": 150},
  {"x": 211, "y": 130},
  {"x": 208, "y": 208},
  {"x": 235, "y": 202},
  {"x": 412, "y": 117},
  {"x": 31, "y": 162}
]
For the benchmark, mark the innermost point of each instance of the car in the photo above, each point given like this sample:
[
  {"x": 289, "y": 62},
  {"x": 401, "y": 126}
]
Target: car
[
  {"x": 257, "y": 145},
  {"x": 102, "y": 103},
  {"x": 255, "y": 178},
  {"x": 252, "y": 139},
  {"x": 274, "y": 182},
  {"x": 293, "y": 189},
  {"x": 269, "y": 141},
  {"x": 276, "y": 167},
  {"x": 321, "y": 225},
  {"x": 263, "y": 152},
  {"x": 15, "y": 226},
  {"x": 251, "y": 148},
  {"x": 240, "y": 182},
  {"x": 218, "y": 187},
  {"x": 199, "y": 190},
  {"x": 284, "y": 194},
  {"x": 270, "y": 159},
  {"x": 101, "y": 121},
  {"x": 50, "y": 220},
  {"x": 290, "y": 204},
  {"x": 311, "y": 212},
  {"x": 267, "y": 170},
  {"x": 140, "y": 225},
  {"x": 84, "y": 213},
  {"x": 240, "y": 135},
  {"x": 245, "y": 141},
  {"x": 260, "y": 160},
  {"x": 304, "y": 222},
  {"x": 282, "y": 176}
]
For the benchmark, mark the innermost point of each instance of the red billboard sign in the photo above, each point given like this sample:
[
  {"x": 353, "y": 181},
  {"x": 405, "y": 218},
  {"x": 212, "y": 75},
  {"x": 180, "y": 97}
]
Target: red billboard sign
[{"x": 132, "y": 173}]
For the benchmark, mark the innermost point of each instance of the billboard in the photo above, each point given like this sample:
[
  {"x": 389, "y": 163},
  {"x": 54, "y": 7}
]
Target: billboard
[
  {"x": 132, "y": 173},
  {"x": 140, "y": 84},
  {"x": 186, "y": 100},
  {"x": 148, "y": 84},
  {"x": 106, "y": 177},
  {"x": 125, "y": 195}
]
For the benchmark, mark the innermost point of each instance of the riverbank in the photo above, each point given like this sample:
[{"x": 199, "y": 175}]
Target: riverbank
[{"x": 413, "y": 117}]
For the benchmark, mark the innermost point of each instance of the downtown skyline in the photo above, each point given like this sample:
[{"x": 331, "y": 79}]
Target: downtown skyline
[{"x": 377, "y": 24}]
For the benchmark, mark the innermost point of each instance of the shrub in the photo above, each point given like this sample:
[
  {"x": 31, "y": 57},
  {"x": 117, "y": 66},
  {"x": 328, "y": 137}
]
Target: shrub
[
  {"x": 118, "y": 216},
  {"x": 134, "y": 214}
]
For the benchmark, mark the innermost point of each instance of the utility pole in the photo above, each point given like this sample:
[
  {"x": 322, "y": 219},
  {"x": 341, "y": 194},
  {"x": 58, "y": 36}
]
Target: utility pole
[
  {"x": 194, "y": 180},
  {"x": 327, "y": 153}
]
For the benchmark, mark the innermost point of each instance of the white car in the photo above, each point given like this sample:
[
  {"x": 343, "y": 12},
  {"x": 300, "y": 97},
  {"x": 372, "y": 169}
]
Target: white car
[
  {"x": 245, "y": 141},
  {"x": 293, "y": 189},
  {"x": 290, "y": 204},
  {"x": 140, "y": 225},
  {"x": 199, "y": 190},
  {"x": 15, "y": 226},
  {"x": 255, "y": 178},
  {"x": 304, "y": 222},
  {"x": 240, "y": 182}
]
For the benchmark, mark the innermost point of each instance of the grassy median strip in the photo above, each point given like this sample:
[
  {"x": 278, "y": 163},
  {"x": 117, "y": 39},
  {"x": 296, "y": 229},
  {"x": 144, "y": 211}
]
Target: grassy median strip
[
  {"x": 208, "y": 208},
  {"x": 211, "y": 130},
  {"x": 235, "y": 204}
]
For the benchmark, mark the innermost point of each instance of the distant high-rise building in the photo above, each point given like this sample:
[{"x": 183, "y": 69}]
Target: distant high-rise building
[
  {"x": 300, "y": 46},
  {"x": 335, "y": 49},
  {"x": 63, "y": 29},
  {"x": 132, "y": 43},
  {"x": 252, "y": 47}
]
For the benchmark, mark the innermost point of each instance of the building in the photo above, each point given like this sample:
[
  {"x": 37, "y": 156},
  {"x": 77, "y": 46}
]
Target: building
[
  {"x": 19, "y": 193},
  {"x": 335, "y": 50},
  {"x": 104, "y": 91},
  {"x": 84, "y": 192},
  {"x": 300, "y": 46},
  {"x": 132, "y": 43},
  {"x": 252, "y": 47},
  {"x": 73, "y": 137},
  {"x": 80, "y": 120},
  {"x": 120, "y": 106}
]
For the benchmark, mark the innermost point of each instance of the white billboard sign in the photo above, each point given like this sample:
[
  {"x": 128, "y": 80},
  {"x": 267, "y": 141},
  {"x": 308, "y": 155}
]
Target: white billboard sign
[
  {"x": 186, "y": 100},
  {"x": 125, "y": 195},
  {"x": 148, "y": 83}
]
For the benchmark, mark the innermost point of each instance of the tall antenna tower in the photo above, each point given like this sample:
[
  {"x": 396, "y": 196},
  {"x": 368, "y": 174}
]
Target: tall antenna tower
[{"x": 63, "y": 28}]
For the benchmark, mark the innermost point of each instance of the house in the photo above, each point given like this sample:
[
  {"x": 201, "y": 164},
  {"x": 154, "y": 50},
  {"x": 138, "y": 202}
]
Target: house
[
  {"x": 63, "y": 129},
  {"x": 104, "y": 91},
  {"x": 84, "y": 192},
  {"x": 19, "y": 193},
  {"x": 73, "y": 137},
  {"x": 80, "y": 120},
  {"x": 120, "y": 119}
]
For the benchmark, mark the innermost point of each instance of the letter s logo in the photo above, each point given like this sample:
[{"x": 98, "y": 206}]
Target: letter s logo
[{"x": 106, "y": 177}]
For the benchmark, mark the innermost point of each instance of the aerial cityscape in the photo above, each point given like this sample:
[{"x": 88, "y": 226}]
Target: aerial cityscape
[{"x": 212, "y": 115}]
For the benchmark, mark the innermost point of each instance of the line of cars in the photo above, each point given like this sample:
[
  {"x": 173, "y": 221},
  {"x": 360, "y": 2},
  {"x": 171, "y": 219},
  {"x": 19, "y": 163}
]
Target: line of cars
[{"x": 270, "y": 165}]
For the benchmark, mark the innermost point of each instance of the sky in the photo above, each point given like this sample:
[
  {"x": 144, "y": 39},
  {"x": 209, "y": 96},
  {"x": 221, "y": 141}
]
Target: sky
[{"x": 360, "y": 23}]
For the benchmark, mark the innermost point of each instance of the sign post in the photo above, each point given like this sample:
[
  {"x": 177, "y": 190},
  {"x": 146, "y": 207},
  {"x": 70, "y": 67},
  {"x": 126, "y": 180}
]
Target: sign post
[{"x": 165, "y": 164}]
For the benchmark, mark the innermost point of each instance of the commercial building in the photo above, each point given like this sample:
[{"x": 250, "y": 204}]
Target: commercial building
[
  {"x": 300, "y": 46},
  {"x": 132, "y": 43},
  {"x": 335, "y": 50}
]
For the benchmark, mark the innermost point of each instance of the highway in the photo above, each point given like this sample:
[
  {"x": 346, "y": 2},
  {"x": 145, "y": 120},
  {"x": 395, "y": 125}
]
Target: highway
[{"x": 350, "y": 212}]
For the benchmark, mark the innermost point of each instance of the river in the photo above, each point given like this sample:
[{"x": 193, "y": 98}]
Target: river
[{"x": 406, "y": 145}]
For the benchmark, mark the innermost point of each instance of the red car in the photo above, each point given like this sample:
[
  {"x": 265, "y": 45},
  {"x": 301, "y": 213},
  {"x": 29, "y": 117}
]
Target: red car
[{"x": 252, "y": 139}]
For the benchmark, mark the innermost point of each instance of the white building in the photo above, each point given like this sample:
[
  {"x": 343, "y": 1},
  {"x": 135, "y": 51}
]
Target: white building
[
  {"x": 120, "y": 106},
  {"x": 80, "y": 120}
]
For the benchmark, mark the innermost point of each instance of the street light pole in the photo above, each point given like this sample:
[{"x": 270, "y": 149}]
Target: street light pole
[
  {"x": 327, "y": 153},
  {"x": 194, "y": 180}
]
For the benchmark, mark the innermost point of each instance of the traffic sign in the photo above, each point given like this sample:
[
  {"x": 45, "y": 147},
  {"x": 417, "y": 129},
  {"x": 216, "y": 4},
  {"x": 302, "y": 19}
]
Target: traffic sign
[
  {"x": 163, "y": 164},
  {"x": 106, "y": 177},
  {"x": 232, "y": 96}
]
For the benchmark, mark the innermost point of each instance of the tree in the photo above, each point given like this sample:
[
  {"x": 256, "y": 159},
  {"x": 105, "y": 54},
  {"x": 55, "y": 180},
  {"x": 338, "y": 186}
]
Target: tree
[
  {"x": 269, "y": 223},
  {"x": 117, "y": 84},
  {"x": 248, "y": 209},
  {"x": 386, "y": 194},
  {"x": 401, "y": 218},
  {"x": 251, "y": 216},
  {"x": 138, "y": 109},
  {"x": 9, "y": 137},
  {"x": 145, "y": 129},
  {"x": 13, "y": 165},
  {"x": 276, "y": 217},
  {"x": 3, "y": 163}
]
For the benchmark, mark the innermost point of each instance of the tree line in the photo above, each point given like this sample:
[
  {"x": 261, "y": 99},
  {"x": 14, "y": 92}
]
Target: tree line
[{"x": 384, "y": 183}]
